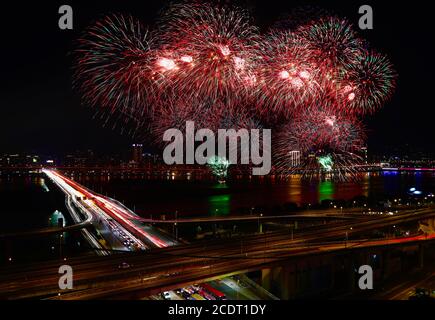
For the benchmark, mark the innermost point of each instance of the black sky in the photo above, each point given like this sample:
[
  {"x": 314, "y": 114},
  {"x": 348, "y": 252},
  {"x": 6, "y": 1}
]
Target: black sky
[{"x": 40, "y": 112}]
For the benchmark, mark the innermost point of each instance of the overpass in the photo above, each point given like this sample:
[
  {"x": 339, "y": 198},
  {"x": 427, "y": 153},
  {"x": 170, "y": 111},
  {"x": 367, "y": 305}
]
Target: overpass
[
  {"x": 325, "y": 215},
  {"x": 77, "y": 196},
  {"x": 108, "y": 216},
  {"x": 173, "y": 266},
  {"x": 216, "y": 219},
  {"x": 170, "y": 267}
]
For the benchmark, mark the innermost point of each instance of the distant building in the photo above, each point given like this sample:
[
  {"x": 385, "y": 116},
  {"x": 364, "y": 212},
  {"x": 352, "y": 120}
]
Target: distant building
[
  {"x": 81, "y": 158},
  {"x": 364, "y": 152},
  {"x": 137, "y": 153},
  {"x": 295, "y": 158},
  {"x": 19, "y": 160}
]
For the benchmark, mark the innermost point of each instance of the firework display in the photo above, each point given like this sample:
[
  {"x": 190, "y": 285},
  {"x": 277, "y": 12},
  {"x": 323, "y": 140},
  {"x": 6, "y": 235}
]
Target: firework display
[
  {"x": 113, "y": 66},
  {"x": 288, "y": 80},
  {"x": 207, "y": 63},
  {"x": 211, "y": 48},
  {"x": 366, "y": 83},
  {"x": 219, "y": 167},
  {"x": 319, "y": 141}
]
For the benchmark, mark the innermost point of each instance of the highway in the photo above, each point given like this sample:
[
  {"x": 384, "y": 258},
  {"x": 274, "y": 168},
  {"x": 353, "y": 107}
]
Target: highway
[
  {"x": 403, "y": 287},
  {"x": 120, "y": 227},
  {"x": 167, "y": 268}
]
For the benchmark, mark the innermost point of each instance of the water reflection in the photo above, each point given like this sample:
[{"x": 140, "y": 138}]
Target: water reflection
[
  {"x": 311, "y": 192},
  {"x": 219, "y": 205},
  {"x": 326, "y": 191},
  {"x": 199, "y": 197}
]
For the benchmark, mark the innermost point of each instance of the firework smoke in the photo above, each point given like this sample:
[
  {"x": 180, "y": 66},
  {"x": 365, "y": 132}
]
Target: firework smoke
[{"x": 310, "y": 79}]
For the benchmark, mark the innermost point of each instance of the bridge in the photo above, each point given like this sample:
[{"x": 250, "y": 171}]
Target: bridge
[
  {"x": 152, "y": 169},
  {"x": 108, "y": 216},
  {"x": 171, "y": 267},
  {"x": 168, "y": 266}
]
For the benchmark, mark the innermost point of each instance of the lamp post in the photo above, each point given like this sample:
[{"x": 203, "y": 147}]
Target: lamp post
[
  {"x": 60, "y": 245},
  {"x": 175, "y": 225},
  {"x": 260, "y": 226}
]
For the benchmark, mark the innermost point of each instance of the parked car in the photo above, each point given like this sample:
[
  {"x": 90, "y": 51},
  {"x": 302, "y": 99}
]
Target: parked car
[{"x": 166, "y": 295}]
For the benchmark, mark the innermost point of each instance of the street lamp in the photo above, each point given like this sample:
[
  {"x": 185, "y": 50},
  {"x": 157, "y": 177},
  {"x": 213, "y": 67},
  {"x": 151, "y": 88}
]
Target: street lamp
[
  {"x": 259, "y": 225},
  {"x": 175, "y": 225}
]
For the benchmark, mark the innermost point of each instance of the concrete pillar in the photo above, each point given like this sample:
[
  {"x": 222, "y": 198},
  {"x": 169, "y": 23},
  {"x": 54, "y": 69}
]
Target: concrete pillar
[
  {"x": 284, "y": 283},
  {"x": 421, "y": 256},
  {"x": 351, "y": 272},
  {"x": 332, "y": 271},
  {"x": 266, "y": 280},
  {"x": 385, "y": 264}
]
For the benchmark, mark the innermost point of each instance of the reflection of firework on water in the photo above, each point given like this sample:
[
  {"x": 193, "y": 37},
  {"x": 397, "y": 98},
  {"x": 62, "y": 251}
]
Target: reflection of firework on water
[
  {"x": 219, "y": 167},
  {"x": 111, "y": 67},
  {"x": 320, "y": 142},
  {"x": 209, "y": 49}
]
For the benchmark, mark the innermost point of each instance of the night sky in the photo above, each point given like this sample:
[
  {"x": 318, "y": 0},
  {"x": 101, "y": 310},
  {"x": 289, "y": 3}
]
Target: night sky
[{"x": 39, "y": 111}]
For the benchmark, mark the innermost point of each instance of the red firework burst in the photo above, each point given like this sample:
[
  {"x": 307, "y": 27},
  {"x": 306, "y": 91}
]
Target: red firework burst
[
  {"x": 316, "y": 133},
  {"x": 112, "y": 66},
  {"x": 287, "y": 79},
  {"x": 207, "y": 63},
  {"x": 207, "y": 53},
  {"x": 366, "y": 84}
]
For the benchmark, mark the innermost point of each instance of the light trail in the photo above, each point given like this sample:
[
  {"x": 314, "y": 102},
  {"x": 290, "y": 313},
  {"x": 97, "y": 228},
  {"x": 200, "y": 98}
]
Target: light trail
[{"x": 106, "y": 206}]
